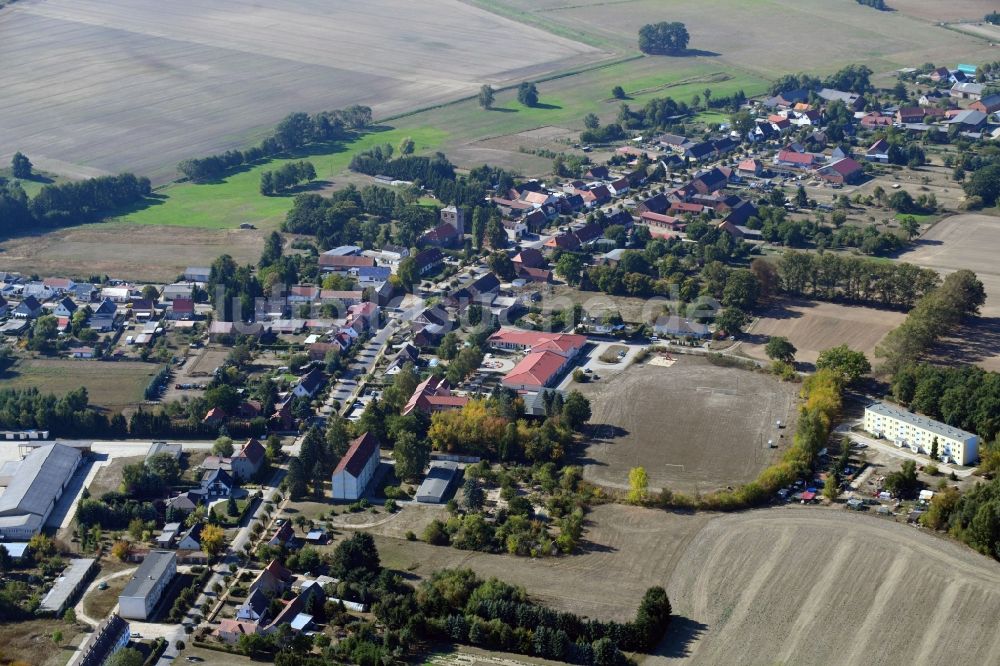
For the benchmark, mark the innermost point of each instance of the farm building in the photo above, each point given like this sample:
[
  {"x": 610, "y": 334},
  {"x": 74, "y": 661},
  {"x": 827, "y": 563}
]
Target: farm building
[
  {"x": 34, "y": 486},
  {"x": 918, "y": 433},
  {"x": 356, "y": 468},
  {"x": 147, "y": 584},
  {"x": 439, "y": 479}
]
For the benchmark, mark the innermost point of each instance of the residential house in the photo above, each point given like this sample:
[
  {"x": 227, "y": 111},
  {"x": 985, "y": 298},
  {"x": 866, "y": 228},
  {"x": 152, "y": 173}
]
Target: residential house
[
  {"x": 428, "y": 260},
  {"x": 597, "y": 173},
  {"x": 103, "y": 317},
  {"x": 369, "y": 275},
  {"x": 750, "y": 167},
  {"x": 309, "y": 384},
  {"x": 875, "y": 120},
  {"x": 619, "y": 187},
  {"x": 230, "y": 631},
  {"x": 254, "y": 608},
  {"x": 282, "y": 418},
  {"x": 273, "y": 580},
  {"x": 940, "y": 74},
  {"x": 299, "y": 294},
  {"x": 566, "y": 242},
  {"x": 790, "y": 98},
  {"x": 284, "y": 535},
  {"x": 191, "y": 539},
  {"x": 655, "y": 204},
  {"x": 29, "y": 308},
  {"x": 794, "y": 160},
  {"x": 246, "y": 462},
  {"x": 662, "y": 225},
  {"x": 710, "y": 181},
  {"x": 186, "y": 501},
  {"x": 407, "y": 353},
  {"x": 481, "y": 290},
  {"x": 739, "y": 232},
  {"x": 65, "y": 308},
  {"x": 356, "y": 468},
  {"x": 59, "y": 285},
  {"x": 700, "y": 152},
  {"x": 845, "y": 171},
  {"x": 433, "y": 395},
  {"x": 181, "y": 309},
  {"x": 878, "y": 152},
  {"x": 216, "y": 484}
]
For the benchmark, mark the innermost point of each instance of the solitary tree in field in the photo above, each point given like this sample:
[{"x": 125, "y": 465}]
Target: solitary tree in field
[
  {"x": 591, "y": 121},
  {"x": 666, "y": 38},
  {"x": 638, "y": 484},
  {"x": 618, "y": 92},
  {"x": 486, "y": 96},
  {"x": 780, "y": 349},
  {"x": 527, "y": 94},
  {"x": 20, "y": 166},
  {"x": 910, "y": 226}
]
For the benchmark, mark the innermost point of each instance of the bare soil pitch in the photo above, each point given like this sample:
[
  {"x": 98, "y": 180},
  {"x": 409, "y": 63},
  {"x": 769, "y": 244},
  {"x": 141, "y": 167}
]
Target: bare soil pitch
[{"x": 694, "y": 426}]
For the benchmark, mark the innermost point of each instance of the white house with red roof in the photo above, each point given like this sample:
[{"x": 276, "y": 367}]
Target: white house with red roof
[
  {"x": 356, "y": 468},
  {"x": 549, "y": 354}
]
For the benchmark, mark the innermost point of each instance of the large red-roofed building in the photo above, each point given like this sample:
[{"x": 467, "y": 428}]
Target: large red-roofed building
[{"x": 549, "y": 354}]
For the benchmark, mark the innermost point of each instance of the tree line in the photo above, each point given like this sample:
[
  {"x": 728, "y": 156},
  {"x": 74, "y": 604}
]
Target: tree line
[
  {"x": 295, "y": 131},
  {"x": 831, "y": 276},
  {"x": 965, "y": 396},
  {"x": 936, "y": 313},
  {"x": 286, "y": 176},
  {"x": 65, "y": 204},
  {"x": 437, "y": 174}
]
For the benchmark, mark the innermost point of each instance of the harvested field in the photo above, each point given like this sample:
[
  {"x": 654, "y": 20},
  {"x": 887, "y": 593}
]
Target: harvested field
[
  {"x": 141, "y": 253},
  {"x": 106, "y": 86},
  {"x": 740, "y": 591},
  {"x": 667, "y": 419},
  {"x": 807, "y": 585},
  {"x": 954, "y": 10},
  {"x": 967, "y": 241},
  {"x": 823, "y": 35},
  {"x": 813, "y": 326},
  {"x": 112, "y": 385}
]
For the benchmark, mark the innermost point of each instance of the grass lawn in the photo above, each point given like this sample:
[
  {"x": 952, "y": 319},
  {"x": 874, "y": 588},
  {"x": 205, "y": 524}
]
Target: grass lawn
[
  {"x": 709, "y": 117},
  {"x": 108, "y": 384},
  {"x": 237, "y": 198},
  {"x": 921, "y": 219},
  {"x": 30, "y": 642},
  {"x": 220, "y": 511}
]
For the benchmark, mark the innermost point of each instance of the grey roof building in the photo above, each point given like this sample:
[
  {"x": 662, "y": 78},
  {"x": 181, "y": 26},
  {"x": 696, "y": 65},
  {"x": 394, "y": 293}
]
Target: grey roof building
[
  {"x": 435, "y": 486},
  {"x": 67, "y": 585},
  {"x": 34, "y": 487},
  {"x": 147, "y": 584}
]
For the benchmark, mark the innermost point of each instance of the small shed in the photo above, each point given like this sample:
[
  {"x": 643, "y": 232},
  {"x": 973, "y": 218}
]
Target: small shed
[{"x": 439, "y": 478}]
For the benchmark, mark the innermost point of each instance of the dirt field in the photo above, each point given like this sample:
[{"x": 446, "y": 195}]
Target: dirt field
[
  {"x": 104, "y": 86},
  {"x": 31, "y": 642},
  {"x": 806, "y": 585},
  {"x": 141, "y": 253},
  {"x": 968, "y": 241},
  {"x": 813, "y": 326},
  {"x": 694, "y": 426},
  {"x": 110, "y": 385}
]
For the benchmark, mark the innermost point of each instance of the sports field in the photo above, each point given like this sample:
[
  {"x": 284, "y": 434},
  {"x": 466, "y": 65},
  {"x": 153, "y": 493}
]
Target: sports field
[
  {"x": 92, "y": 86},
  {"x": 694, "y": 426},
  {"x": 112, "y": 385}
]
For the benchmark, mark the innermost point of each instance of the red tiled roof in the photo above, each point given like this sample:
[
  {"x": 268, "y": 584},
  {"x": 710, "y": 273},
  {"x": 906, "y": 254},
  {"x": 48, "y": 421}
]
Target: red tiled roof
[
  {"x": 360, "y": 451},
  {"x": 795, "y": 158},
  {"x": 845, "y": 167},
  {"x": 349, "y": 261},
  {"x": 536, "y": 369},
  {"x": 538, "y": 341}
]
